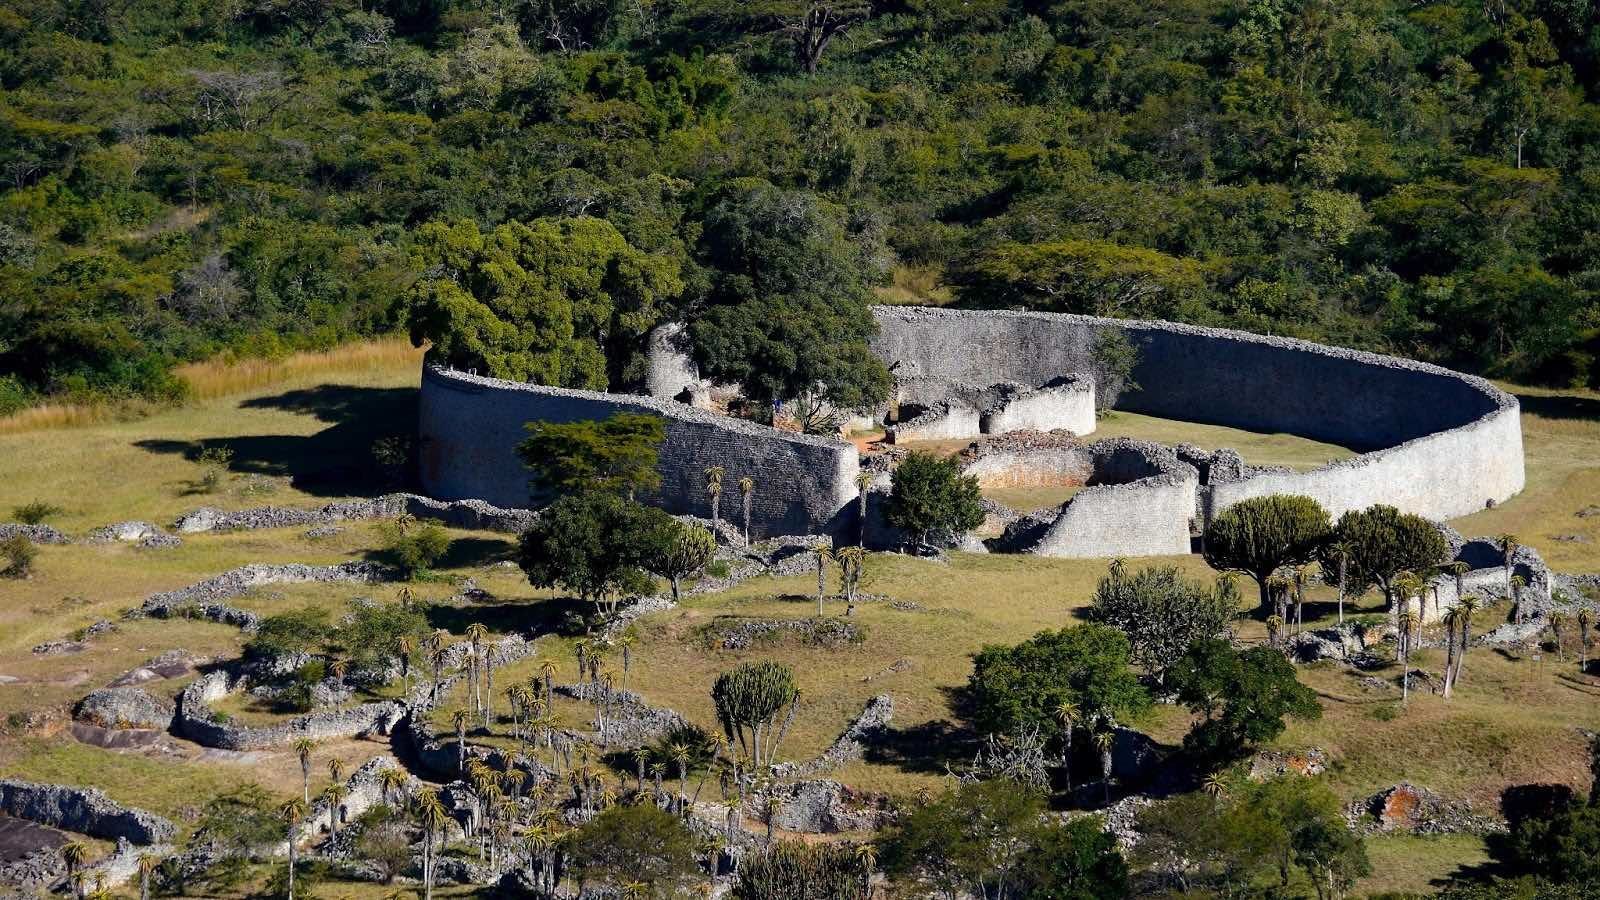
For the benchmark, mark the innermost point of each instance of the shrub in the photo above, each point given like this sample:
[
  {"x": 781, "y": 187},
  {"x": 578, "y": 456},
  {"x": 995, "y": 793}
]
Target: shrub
[
  {"x": 791, "y": 870},
  {"x": 35, "y": 513},
  {"x": 215, "y": 462},
  {"x": 18, "y": 554},
  {"x": 1162, "y": 612},
  {"x": 416, "y": 551},
  {"x": 1020, "y": 687},
  {"x": 930, "y": 498},
  {"x": 1243, "y": 696},
  {"x": 297, "y": 631},
  {"x": 642, "y": 844}
]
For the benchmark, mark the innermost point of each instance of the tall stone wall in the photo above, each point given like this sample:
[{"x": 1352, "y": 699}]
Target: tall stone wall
[
  {"x": 1139, "y": 503},
  {"x": 470, "y": 427},
  {"x": 1445, "y": 444}
]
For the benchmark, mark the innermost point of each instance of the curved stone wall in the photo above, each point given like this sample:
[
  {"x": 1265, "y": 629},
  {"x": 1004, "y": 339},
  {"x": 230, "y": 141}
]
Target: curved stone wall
[
  {"x": 470, "y": 427},
  {"x": 196, "y": 720},
  {"x": 1440, "y": 444}
]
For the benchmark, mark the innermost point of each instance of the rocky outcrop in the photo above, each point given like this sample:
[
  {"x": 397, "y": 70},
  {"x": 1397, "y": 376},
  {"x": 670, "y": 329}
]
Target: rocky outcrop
[
  {"x": 824, "y": 807},
  {"x": 629, "y": 720},
  {"x": 1269, "y": 764},
  {"x": 39, "y": 534},
  {"x": 850, "y": 745},
  {"x": 126, "y": 707},
  {"x": 471, "y": 514},
  {"x": 85, "y": 810},
  {"x": 732, "y": 633},
  {"x": 144, "y": 534},
  {"x": 204, "y": 599}
]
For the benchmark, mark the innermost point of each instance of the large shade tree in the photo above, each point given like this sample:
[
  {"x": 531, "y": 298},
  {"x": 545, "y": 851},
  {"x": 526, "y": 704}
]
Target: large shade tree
[
  {"x": 1382, "y": 543},
  {"x": 563, "y": 302},
  {"x": 1261, "y": 535}
]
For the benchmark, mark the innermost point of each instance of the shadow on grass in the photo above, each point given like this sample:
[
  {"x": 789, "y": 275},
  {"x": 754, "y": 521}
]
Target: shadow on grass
[
  {"x": 931, "y": 747},
  {"x": 561, "y": 616},
  {"x": 336, "y": 461},
  {"x": 1560, "y": 406},
  {"x": 464, "y": 553}
]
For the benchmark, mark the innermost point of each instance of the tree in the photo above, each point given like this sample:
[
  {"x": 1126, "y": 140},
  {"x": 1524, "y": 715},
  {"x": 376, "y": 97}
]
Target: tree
[
  {"x": 641, "y": 843},
  {"x": 1090, "y": 277},
  {"x": 75, "y": 854},
  {"x": 1384, "y": 542},
  {"x": 1244, "y": 697},
  {"x": 788, "y": 299},
  {"x": 1073, "y": 860},
  {"x": 1162, "y": 613},
  {"x": 747, "y": 491},
  {"x": 292, "y": 811},
  {"x": 615, "y": 455},
  {"x": 303, "y": 748},
  {"x": 1021, "y": 687},
  {"x": 931, "y": 497},
  {"x": 793, "y": 870},
  {"x": 749, "y": 700},
  {"x": 415, "y": 551},
  {"x": 714, "y": 491},
  {"x": 433, "y": 818},
  {"x": 680, "y": 551},
  {"x": 564, "y": 302},
  {"x": 148, "y": 864},
  {"x": 1261, "y": 535},
  {"x": 972, "y": 839},
  {"x": 596, "y": 545},
  {"x": 824, "y": 554},
  {"x": 19, "y": 554}
]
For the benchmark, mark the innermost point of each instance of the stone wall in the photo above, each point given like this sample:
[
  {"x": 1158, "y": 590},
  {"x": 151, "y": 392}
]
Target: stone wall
[
  {"x": 197, "y": 722},
  {"x": 84, "y": 810},
  {"x": 1446, "y": 444},
  {"x": 1139, "y": 502},
  {"x": 1068, "y": 405},
  {"x": 470, "y": 427},
  {"x": 944, "y": 422}
]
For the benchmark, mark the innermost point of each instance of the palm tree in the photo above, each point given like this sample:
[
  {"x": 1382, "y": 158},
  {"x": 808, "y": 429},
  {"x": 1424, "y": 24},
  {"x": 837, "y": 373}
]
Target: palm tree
[
  {"x": 459, "y": 719},
  {"x": 291, "y": 812},
  {"x": 626, "y": 643},
  {"x": 432, "y": 817},
  {"x": 1104, "y": 740},
  {"x": 1517, "y": 584},
  {"x": 1298, "y": 579},
  {"x": 1557, "y": 620},
  {"x": 335, "y": 794},
  {"x": 404, "y": 647},
  {"x": 867, "y": 855},
  {"x": 1216, "y": 787},
  {"x": 75, "y": 854},
  {"x": 1066, "y": 715},
  {"x": 1452, "y": 622},
  {"x": 1340, "y": 552},
  {"x": 148, "y": 863},
  {"x": 547, "y": 674},
  {"x": 863, "y": 482},
  {"x": 641, "y": 755},
  {"x": 747, "y": 490},
  {"x": 1583, "y": 639},
  {"x": 336, "y": 770},
  {"x": 1274, "y": 627},
  {"x": 477, "y": 633},
  {"x": 714, "y": 488},
  {"x": 851, "y": 560},
  {"x": 680, "y": 755},
  {"x": 1468, "y": 605},
  {"x": 824, "y": 554},
  {"x": 490, "y": 651},
  {"x": 1509, "y": 544},
  {"x": 1408, "y": 623},
  {"x": 338, "y": 668},
  {"x": 302, "y": 748},
  {"x": 392, "y": 781}
]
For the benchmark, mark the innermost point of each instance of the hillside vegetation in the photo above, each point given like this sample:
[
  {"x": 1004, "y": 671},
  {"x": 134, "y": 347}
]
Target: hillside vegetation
[{"x": 183, "y": 177}]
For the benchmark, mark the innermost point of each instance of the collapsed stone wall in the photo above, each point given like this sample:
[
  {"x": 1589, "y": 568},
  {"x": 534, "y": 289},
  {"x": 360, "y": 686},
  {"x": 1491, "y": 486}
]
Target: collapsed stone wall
[
  {"x": 1438, "y": 443},
  {"x": 470, "y": 427}
]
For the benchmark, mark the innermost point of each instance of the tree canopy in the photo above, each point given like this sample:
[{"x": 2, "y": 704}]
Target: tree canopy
[
  {"x": 1243, "y": 695},
  {"x": 1162, "y": 613},
  {"x": 613, "y": 455},
  {"x": 1261, "y": 535},
  {"x": 1382, "y": 542},
  {"x": 930, "y": 497},
  {"x": 1022, "y": 686}
]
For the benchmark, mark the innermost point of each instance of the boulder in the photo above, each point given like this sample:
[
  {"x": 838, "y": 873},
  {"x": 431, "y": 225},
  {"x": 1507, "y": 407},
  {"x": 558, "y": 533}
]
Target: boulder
[
  {"x": 827, "y": 807},
  {"x": 1269, "y": 764},
  {"x": 125, "y": 707}
]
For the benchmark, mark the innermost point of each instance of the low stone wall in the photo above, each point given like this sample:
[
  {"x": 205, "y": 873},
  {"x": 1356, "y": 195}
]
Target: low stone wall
[
  {"x": 471, "y": 514},
  {"x": 39, "y": 534},
  {"x": 850, "y": 745},
  {"x": 204, "y": 599},
  {"x": 1068, "y": 405},
  {"x": 84, "y": 810},
  {"x": 196, "y": 721},
  {"x": 945, "y": 422},
  {"x": 470, "y": 427}
]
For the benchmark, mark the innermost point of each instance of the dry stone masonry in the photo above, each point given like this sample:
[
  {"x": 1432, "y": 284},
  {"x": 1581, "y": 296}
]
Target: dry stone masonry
[{"x": 1431, "y": 441}]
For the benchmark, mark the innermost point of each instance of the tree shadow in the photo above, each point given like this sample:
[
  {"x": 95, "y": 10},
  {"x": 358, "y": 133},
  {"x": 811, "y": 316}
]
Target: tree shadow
[
  {"x": 336, "y": 461},
  {"x": 559, "y": 615},
  {"x": 1560, "y": 406},
  {"x": 464, "y": 553},
  {"x": 931, "y": 747}
]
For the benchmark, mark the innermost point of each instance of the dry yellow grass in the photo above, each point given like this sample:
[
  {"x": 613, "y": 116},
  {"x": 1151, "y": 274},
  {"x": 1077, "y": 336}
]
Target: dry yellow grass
[{"x": 228, "y": 377}]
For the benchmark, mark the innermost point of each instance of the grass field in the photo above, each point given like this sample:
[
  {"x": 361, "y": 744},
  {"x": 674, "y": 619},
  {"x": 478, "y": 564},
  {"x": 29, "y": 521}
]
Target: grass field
[{"x": 303, "y": 440}]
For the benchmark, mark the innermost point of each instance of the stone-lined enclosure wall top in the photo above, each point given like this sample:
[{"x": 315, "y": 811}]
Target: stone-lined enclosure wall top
[
  {"x": 471, "y": 425},
  {"x": 1434, "y": 442},
  {"x": 1441, "y": 444}
]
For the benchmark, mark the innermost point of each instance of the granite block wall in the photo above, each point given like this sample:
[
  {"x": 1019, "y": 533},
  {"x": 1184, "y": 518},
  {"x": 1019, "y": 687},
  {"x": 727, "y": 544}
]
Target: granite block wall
[{"x": 470, "y": 427}]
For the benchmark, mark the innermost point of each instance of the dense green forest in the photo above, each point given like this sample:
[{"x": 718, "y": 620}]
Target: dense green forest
[{"x": 534, "y": 183}]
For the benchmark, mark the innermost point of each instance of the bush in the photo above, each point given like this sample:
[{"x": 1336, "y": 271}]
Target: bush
[
  {"x": 931, "y": 498},
  {"x": 297, "y": 631},
  {"x": 1019, "y": 688},
  {"x": 18, "y": 554},
  {"x": 1243, "y": 696},
  {"x": 35, "y": 513},
  {"x": 215, "y": 462},
  {"x": 416, "y": 551}
]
